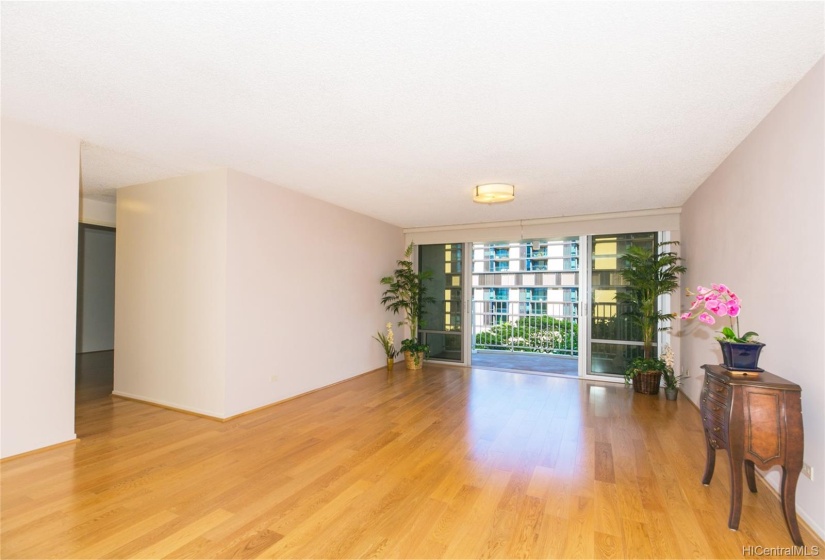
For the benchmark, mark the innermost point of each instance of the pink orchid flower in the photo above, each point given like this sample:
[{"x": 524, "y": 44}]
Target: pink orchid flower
[
  {"x": 707, "y": 318},
  {"x": 718, "y": 300}
]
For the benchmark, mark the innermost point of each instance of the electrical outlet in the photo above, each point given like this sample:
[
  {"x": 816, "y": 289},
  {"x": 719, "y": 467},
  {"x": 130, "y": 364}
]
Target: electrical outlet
[
  {"x": 685, "y": 372},
  {"x": 808, "y": 470},
  {"x": 273, "y": 378}
]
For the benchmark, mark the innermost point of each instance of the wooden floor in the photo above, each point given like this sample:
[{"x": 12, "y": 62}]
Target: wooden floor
[{"x": 441, "y": 463}]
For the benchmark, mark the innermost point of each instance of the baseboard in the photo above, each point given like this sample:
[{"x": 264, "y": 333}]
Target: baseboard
[
  {"x": 40, "y": 450},
  {"x": 802, "y": 517},
  {"x": 210, "y": 416},
  {"x": 282, "y": 401},
  {"x": 167, "y": 405}
]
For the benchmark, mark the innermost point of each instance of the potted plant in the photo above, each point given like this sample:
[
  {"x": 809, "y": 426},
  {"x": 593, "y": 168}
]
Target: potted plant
[
  {"x": 669, "y": 375},
  {"x": 407, "y": 293},
  {"x": 387, "y": 342},
  {"x": 738, "y": 352},
  {"x": 648, "y": 275}
]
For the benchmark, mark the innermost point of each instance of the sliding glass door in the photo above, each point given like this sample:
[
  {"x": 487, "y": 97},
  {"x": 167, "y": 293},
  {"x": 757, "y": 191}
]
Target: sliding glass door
[
  {"x": 548, "y": 301},
  {"x": 614, "y": 340},
  {"x": 442, "y": 328}
]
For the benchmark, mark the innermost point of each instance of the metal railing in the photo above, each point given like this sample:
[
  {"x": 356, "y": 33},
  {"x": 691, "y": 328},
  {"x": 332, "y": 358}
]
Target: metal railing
[{"x": 526, "y": 326}]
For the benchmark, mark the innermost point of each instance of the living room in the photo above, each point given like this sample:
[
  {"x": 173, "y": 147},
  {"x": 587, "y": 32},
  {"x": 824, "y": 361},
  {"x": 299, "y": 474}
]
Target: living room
[{"x": 259, "y": 197}]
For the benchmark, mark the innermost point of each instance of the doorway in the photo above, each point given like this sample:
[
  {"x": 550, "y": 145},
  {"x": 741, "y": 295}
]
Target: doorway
[
  {"x": 615, "y": 340},
  {"x": 442, "y": 324},
  {"x": 95, "y": 334}
]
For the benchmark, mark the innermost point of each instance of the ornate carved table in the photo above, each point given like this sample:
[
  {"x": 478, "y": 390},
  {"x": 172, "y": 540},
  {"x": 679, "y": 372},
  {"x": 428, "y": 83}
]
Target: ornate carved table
[{"x": 757, "y": 419}]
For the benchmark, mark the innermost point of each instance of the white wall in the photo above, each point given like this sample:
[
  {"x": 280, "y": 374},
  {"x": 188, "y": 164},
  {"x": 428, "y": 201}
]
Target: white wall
[
  {"x": 303, "y": 294},
  {"x": 96, "y": 290},
  {"x": 98, "y": 212},
  {"x": 39, "y": 208},
  {"x": 756, "y": 225},
  {"x": 170, "y": 292}
]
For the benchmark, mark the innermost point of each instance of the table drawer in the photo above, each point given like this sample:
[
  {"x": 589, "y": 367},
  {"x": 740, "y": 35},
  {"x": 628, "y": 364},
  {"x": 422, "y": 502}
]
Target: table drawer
[
  {"x": 719, "y": 390},
  {"x": 716, "y": 391},
  {"x": 713, "y": 408},
  {"x": 716, "y": 430}
]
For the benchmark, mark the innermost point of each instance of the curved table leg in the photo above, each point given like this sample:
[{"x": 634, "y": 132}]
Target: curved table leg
[
  {"x": 750, "y": 476},
  {"x": 789, "y": 480},
  {"x": 710, "y": 462},
  {"x": 735, "y": 491}
]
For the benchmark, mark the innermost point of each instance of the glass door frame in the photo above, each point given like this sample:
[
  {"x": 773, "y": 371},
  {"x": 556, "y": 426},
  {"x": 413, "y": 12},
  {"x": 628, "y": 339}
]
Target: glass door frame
[
  {"x": 466, "y": 278},
  {"x": 585, "y": 311}
]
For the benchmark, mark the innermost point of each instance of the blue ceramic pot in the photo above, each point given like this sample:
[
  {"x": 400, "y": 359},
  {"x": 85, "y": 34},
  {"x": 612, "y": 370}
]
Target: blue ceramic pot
[{"x": 740, "y": 356}]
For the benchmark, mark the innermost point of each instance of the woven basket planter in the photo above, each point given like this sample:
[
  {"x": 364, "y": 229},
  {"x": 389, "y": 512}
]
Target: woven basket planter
[
  {"x": 409, "y": 360},
  {"x": 647, "y": 382}
]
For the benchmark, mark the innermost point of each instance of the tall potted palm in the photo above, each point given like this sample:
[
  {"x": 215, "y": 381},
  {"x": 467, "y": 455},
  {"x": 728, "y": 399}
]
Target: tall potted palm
[
  {"x": 407, "y": 293},
  {"x": 649, "y": 273}
]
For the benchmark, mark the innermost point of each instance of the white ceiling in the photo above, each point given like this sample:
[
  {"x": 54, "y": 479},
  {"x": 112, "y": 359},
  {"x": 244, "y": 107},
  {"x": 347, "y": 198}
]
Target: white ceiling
[{"x": 397, "y": 109}]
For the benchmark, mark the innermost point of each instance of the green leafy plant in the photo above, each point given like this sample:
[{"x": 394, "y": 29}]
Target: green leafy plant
[
  {"x": 415, "y": 348},
  {"x": 644, "y": 365},
  {"x": 648, "y": 275},
  {"x": 407, "y": 293},
  {"x": 729, "y": 336}
]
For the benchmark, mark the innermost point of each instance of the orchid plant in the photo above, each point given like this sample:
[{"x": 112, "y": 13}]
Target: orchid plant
[
  {"x": 387, "y": 342},
  {"x": 721, "y": 301},
  {"x": 669, "y": 374}
]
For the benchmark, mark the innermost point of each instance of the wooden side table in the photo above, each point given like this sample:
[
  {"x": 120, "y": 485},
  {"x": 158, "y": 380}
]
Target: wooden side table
[{"x": 757, "y": 418}]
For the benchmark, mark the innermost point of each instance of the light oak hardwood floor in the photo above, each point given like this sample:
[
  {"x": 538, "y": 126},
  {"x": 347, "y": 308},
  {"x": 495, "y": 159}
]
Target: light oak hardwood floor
[{"x": 440, "y": 463}]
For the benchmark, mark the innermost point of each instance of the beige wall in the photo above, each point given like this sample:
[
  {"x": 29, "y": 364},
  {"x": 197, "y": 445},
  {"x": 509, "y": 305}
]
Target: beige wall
[
  {"x": 757, "y": 225},
  {"x": 170, "y": 292},
  {"x": 39, "y": 207},
  {"x": 303, "y": 292},
  {"x": 224, "y": 281}
]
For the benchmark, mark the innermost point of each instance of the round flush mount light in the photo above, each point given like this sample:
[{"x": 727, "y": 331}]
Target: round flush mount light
[{"x": 494, "y": 192}]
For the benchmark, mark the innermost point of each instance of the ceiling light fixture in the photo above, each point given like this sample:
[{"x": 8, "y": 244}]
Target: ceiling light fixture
[{"x": 494, "y": 192}]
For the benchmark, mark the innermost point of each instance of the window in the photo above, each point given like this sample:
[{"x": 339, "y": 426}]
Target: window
[
  {"x": 499, "y": 258},
  {"x": 535, "y": 294}
]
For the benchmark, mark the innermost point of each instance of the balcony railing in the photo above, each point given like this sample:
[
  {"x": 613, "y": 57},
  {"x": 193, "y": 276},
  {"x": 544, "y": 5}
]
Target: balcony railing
[{"x": 534, "y": 326}]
